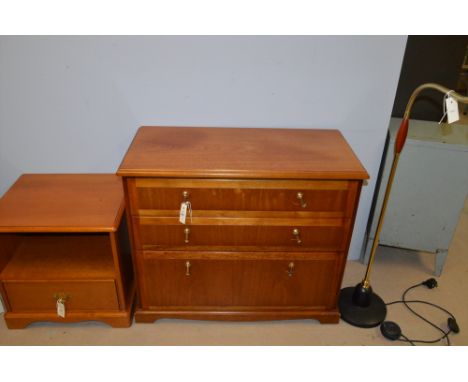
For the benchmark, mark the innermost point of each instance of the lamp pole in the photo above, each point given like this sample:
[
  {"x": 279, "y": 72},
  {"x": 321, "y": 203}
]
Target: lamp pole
[{"x": 358, "y": 305}]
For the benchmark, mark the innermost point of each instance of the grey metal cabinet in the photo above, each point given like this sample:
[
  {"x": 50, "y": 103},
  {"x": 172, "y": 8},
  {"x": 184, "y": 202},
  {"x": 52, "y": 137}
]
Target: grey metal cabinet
[{"x": 429, "y": 192}]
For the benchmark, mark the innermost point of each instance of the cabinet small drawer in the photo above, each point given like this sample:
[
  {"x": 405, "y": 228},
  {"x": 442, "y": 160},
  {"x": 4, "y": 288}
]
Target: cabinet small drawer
[
  {"x": 78, "y": 296},
  {"x": 330, "y": 236},
  {"x": 313, "y": 196},
  {"x": 241, "y": 283}
]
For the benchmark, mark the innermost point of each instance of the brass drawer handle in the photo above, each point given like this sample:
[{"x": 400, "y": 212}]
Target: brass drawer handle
[
  {"x": 297, "y": 236},
  {"x": 187, "y": 233},
  {"x": 187, "y": 268},
  {"x": 300, "y": 197},
  {"x": 185, "y": 195},
  {"x": 61, "y": 296},
  {"x": 290, "y": 269}
]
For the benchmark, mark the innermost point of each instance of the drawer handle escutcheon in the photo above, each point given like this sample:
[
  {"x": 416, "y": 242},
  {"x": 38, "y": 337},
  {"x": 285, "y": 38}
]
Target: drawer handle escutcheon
[
  {"x": 187, "y": 268},
  {"x": 297, "y": 236},
  {"x": 187, "y": 233},
  {"x": 290, "y": 269},
  {"x": 300, "y": 197}
]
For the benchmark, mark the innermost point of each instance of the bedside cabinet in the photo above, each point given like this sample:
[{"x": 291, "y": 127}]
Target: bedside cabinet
[
  {"x": 64, "y": 251},
  {"x": 269, "y": 215}
]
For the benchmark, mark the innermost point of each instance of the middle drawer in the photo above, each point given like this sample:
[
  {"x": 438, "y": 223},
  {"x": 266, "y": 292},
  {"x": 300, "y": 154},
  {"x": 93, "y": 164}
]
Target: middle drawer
[{"x": 219, "y": 234}]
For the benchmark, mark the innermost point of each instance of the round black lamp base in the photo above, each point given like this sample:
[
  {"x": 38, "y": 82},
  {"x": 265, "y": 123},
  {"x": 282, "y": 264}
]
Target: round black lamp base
[{"x": 362, "y": 316}]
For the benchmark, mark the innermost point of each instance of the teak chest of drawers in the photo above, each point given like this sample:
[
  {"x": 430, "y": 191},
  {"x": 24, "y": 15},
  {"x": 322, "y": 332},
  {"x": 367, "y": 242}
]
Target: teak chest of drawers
[
  {"x": 272, "y": 217},
  {"x": 64, "y": 250}
]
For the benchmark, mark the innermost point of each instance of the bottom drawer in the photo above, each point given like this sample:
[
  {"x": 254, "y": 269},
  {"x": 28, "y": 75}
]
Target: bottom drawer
[
  {"x": 241, "y": 282},
  {"x": 79, "y": 295}
]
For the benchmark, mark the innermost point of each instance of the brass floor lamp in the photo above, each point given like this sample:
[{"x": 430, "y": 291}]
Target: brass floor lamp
[{"x": 359, "y": 305}]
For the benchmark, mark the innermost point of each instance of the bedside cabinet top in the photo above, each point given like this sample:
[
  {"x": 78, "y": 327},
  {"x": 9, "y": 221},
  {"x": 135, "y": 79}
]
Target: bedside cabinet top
[
  {"x": 240, "y": 153},
  {"x": 62, "y": 203}
]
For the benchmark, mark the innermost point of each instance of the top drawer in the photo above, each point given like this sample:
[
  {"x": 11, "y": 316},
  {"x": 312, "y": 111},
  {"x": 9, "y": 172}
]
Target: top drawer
[{"x": 335, "y": 197}]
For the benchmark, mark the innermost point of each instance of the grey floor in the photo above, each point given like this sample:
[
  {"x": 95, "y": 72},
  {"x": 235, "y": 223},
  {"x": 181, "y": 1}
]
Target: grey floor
[{"x": 394, "y": 271}]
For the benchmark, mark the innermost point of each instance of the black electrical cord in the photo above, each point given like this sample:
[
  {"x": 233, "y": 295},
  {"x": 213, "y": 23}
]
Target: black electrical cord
[
  {"x": 435, "y": 306},
  {"x": 453, "y": 327},
  {"x": 420, "y": 316},
  {"x": 406, "y": 339}
]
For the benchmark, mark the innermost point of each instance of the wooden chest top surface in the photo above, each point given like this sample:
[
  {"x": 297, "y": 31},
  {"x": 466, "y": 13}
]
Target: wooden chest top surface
[
  {"x": 250, "y": 153},
  {"x": 62, "y": 203}
]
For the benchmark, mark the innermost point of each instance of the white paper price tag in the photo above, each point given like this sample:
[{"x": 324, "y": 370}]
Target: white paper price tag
[
  {"x": 183, "y": 212},
  {"x": 60, "y": 308},
  {"x": 452, "y": 110}
]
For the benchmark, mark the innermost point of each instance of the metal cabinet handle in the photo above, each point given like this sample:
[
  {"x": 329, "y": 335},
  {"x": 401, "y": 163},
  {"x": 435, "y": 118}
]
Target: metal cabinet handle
[
  {"x": 61, "y": 296},
  {"x": 297, "y": 236},
  {"x": 185, "y": 195},
  {"x": 187, "y": 233},
  {"x": 300, "y": 197},
  {"x": 187, "y": 268},
  {"x": 290, "y": 269}
]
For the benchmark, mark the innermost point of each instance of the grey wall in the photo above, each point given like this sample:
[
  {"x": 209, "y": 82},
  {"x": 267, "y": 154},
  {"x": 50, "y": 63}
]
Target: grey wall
[{"x": 72, "y": 104}]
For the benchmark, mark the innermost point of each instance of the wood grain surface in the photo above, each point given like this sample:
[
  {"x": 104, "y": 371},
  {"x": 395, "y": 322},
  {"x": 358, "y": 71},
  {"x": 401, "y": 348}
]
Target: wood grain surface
[
  {"x": 62, "y": 203},
  {"x": 162, "y": 151},
  {"x": 36, "y": 296},
  {"x": 58, "y": 257},
  {"x": 240, "y": 283}
]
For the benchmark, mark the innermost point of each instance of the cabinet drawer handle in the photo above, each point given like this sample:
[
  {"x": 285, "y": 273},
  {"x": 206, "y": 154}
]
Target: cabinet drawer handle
[
  {"x": 297, "y": 236},
  {"x": 187, "y": 268},
  {"x": 187, "y": 233},
  {"x": 290, "y": 269},
  {"x": 300, "y": 197},
  {"x": 61, "y": 296},
  {"x": 185, "y": 195}
]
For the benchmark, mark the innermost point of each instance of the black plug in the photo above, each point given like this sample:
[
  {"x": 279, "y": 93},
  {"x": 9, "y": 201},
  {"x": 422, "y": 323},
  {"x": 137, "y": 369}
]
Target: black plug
[
  {"x": 452, "y": 324},
  {"x": 430, "y": 283}
]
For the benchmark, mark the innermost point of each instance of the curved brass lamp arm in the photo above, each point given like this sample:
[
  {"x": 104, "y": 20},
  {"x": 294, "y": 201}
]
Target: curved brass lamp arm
[
  {"x": 399, "y": 143},
  {"x": 403, "y": 130},
  {"x": 440, "y": 88}
]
